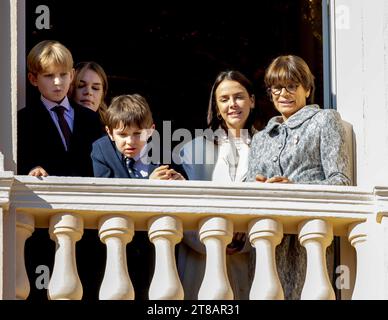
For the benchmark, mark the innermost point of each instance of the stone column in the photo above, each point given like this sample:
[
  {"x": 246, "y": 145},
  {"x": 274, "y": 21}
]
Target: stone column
[
  {"x": 316, "y": 235},
  {"x": 65, "y": 229},
  {"x": 165, "y": 232},
  {"x": 8, "y": 80},
  {"x": 357, "y": 234},
  {"x": 116, "y": 232},
  {"x": 215, "y": 233},
  {"x": 24, "y": 228},
  {"x": 360, "y": 83},
  {"x": 265, "y": 235}
]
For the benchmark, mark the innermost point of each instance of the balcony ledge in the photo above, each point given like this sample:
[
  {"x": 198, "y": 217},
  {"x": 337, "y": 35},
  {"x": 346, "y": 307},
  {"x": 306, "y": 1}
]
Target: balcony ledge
[{"x": 143, "y": 199}]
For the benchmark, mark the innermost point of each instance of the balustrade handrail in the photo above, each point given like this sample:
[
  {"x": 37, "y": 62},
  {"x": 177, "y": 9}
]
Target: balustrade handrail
[
  {"x": 190, "y": 200},
  {"x": 6, "y": 181}
]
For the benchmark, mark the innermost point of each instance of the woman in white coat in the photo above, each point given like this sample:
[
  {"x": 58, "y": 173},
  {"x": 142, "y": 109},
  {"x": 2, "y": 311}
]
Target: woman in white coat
[{"x": 221, "y": 154}]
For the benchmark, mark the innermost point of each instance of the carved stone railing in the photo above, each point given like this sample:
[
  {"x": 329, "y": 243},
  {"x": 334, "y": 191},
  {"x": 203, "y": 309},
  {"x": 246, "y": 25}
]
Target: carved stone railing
[
  {"x": 118, "y": 207},
  {"x": 7, "y": 237}
]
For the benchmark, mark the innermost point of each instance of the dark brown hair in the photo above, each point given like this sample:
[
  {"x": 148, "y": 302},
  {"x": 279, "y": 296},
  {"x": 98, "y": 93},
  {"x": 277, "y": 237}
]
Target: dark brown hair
[
  {"x": 129, "y": 110},
  {"x": 213, "y": 121},
  {"x": 290, "y": 68}
]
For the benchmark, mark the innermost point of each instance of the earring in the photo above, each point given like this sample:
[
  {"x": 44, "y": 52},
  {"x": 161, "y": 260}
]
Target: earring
[{"x": 219, "y": 117}]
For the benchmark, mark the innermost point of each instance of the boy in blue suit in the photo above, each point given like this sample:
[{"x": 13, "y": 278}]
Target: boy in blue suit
[
  {"x": 55, "y": 135},
  {"x": 123, "y": 153}
]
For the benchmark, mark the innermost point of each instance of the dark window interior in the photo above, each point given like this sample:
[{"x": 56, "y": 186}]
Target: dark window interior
[{"x": 171, "y": 54}]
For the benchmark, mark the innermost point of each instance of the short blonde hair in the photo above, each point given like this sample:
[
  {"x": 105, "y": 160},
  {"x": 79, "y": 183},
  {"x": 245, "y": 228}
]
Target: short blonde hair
[
  {"x": 47, "y": 53},
  {"x": 129, "y": 110},
  {"x": 290, "y": 68}
]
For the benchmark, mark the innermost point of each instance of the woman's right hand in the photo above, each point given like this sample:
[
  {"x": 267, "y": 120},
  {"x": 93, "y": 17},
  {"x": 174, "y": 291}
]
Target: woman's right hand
[
  {"x": 274, "y": 179},
  {"x": 278, "y": 179},
  {"x": 261, "y": 178}
]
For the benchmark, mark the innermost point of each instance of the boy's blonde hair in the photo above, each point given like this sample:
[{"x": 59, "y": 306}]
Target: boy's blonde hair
[
  {"x": 48, "y": 53},
  {"x": 128, "y": 110}
]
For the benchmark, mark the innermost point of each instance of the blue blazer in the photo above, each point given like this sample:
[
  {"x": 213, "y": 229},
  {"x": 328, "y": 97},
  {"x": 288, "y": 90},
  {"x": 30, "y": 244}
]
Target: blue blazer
[{"x": 108, "y": 161}]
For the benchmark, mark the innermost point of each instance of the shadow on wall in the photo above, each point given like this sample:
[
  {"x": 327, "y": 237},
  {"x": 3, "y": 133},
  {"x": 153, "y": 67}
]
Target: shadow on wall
[
  {"x": 351, "y": 144},
  {"x": 1, "y": 162}
]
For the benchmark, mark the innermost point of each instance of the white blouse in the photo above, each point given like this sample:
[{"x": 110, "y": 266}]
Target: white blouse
[{"x": 226, "y": 161}]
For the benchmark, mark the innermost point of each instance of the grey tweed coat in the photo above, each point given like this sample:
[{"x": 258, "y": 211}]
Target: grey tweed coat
[{"x": 308, "y": 148}]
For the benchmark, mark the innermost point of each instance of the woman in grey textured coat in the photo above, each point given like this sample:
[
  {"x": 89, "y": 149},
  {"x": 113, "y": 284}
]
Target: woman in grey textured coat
[{"x": 305, "y": 144}]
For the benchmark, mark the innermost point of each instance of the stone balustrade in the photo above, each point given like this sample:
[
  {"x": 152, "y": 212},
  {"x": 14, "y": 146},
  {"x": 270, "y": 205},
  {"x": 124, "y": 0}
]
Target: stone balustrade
[
  {"x": 118, "y": 207},
  {"x": 116, "y": 232}
]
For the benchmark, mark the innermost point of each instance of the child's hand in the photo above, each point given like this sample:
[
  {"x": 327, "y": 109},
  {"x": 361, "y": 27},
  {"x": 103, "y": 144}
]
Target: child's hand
[
  {"x": 164, "y": 173},
  {"x": 38, "y": 172},
  {"x": 175, "y": 175},
  {"x": 160, "y": 173}
]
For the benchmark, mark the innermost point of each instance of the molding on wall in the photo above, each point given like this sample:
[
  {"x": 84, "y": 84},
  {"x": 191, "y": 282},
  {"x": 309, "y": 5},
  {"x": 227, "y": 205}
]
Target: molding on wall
[{"x": 6, "y": 181}]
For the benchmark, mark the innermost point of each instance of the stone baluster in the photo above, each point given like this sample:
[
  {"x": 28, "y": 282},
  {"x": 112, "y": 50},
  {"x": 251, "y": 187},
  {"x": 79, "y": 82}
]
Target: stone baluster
[
  {"x": 116, "y": 232},
  {"x": 65, "y": 229},
  {"x": 357, "y": 234},
  {"x": 165, "y": 232},
  {"x": 215, "y": 233},
  {"x": 265, "y": 235},
  {"x": 316, "y": 235},
  {"x": 25, "y": 226}
]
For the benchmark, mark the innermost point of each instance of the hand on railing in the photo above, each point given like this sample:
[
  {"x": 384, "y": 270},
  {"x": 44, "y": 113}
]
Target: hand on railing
[
  {"x": 38, "y": 172},
  {"x": 164, "y": 173},
  {"x": 274, "y": 179},
  {"x": 237, "y": 244}
]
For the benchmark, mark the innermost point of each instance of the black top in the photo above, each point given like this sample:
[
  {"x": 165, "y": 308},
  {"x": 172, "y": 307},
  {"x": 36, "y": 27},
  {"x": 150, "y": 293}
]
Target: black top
[{"x": 40, "y": 144}]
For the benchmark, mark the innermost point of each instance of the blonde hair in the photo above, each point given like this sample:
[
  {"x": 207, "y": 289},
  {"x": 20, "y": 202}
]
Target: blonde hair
[
  {"x": 48, "y": 53},
  {"x": 80, "y": 69},
  {"x": 129, "y": 110},
  {"x": 290, "y": 68}
]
